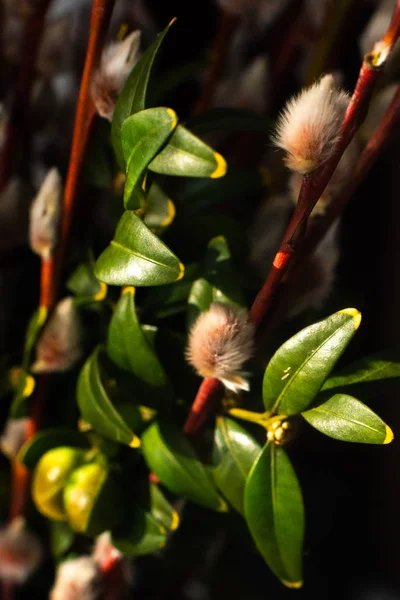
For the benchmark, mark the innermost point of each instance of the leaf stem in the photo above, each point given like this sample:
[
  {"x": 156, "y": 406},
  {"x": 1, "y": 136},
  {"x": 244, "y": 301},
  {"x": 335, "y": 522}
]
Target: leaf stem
[
  {"x": 248, "y": 415},
  {"x": 315, "y": 182},
  {"x": 26, "y": 76}
]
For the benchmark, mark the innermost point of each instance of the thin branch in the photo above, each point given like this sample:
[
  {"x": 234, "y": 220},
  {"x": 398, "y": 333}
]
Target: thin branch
[
  {"x": 226, "y": 27},
  {"x": 207, "y": 396},
  {"x": 22, "y": 91}
]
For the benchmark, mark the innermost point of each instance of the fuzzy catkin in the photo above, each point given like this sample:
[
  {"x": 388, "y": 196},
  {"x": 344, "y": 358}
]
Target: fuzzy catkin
[
  {"x": 309, "y": 128},
  {"x": 220, "y": 342}
]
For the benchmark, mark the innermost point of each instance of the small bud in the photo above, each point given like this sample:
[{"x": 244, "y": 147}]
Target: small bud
[
  {"x": 220, "y": 342},
  {"x": 104, "y": 551},
  {"x": 59, "y": 346},
  {"x": 13, "y": 436},
  {"x": 310, "y": 125},
  {"x": 77, "y": 578},
  {"x": 20, "y": 552},
  {"x": 116, "y": 63},
  {"x": 45, "y": 215},
  {"x": 376, "y": 26}
]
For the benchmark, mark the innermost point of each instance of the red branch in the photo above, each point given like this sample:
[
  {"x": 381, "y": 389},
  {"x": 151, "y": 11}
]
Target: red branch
[
  {"x": 26, "y": 76},
  {"x": 311, "y": 190}
]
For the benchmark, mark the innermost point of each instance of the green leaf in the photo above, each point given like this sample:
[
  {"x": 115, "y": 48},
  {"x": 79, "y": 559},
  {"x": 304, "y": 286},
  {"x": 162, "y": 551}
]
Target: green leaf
[
  {"x": 143, "y": 535},
  {"x": 137, "y": 257},
  {"x": 143, "y": 135},
  {"x": 297, "y": 370},
  {"x": 35, "y": 325},
  {"x": 233, "y": 455},
  {"x": 229, "y": 119},
  {"x": 170, "y": 456},
  {"x": 161, "y": 509},
  {"x": 219, "y": 282},
  {"x": 133, "y": 97},
  {"x": 186, "y": 155},
  {"x": 130, "y": 349},
  {"x": 61, "y": 538},
  {"x": 160, "y": 210},
  {"x": 367, "y": 377},
  {"x": 345, "y": 418},
  {"x": 275, "y": 514},
  {"x": 84, "y": 284},
  {"x": 23, "y": 390},
  {"x": 96, "y": 407},
  {"x": 33, "y": 449}
]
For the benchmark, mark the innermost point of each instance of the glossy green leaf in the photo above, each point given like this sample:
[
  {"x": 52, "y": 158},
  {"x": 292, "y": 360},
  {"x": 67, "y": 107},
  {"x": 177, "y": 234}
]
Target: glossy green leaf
[
  {"x": 345, "y": 418},
  {"x": 367, "y": 377},
  {"x": 229, "y": 119},
  {"x": 275, "y": 514},
  {"x": 219, "y": 282},
  {"x": 298, "y": 369},
  {"x": 83, "y": 283},
  {"x": 143, "y": 535},
  {"x": 143, "y": 135},
  {"x": 186, "y": 155},
  {"x": 43, "y": 441},
  {"x": 137, "y": 257},
  {"x": 170, "y": 456},
  {"x": 234, "y": 453},
  {"x": 61, "y": 538},
  {"x": 129, "y": 347},
  {"x": 160, "y": 210},
  {"x": 133, "y": 97},
  {"x": 96, "y": 406}
]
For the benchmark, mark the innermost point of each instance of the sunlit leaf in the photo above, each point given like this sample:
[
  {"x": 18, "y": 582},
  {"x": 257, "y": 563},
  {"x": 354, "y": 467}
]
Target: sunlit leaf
[
  {"x": 345, "y": 418},
  {"x": 137, "y": 257},
  {"x": 297, "y": 370}
]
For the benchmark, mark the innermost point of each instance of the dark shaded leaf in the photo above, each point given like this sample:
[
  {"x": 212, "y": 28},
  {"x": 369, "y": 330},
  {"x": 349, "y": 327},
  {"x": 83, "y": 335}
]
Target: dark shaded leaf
[
  {"x": 234, "y": 453},
  {"x": 43, "y": 441},
  {"x": 275, "y": 514},
  {"x": 61, "y": 538},
  {"x": 160, "y": 210},
  {"x": 143, "y": 535},
  {"x": 96, "y": 406},
  {"x": 170, "y": 456}
]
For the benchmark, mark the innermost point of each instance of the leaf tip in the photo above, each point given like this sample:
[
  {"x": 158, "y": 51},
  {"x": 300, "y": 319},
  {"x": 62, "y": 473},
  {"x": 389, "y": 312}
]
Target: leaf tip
[
  {"x": 181, "y": 271},
  {"x": 172, "y": 21},
  {"x": 102, "y": 293},
  {"x": 29, "y": 386},
  {"x": 223, "y": 506},
  {"x": 221, "y": 167},
  {"x": 175, "y": 521},
  {"x": 42, "y": 316},
  {"x": 171, "y": 214},
  {"x": 389, "y": 435},
  {"x": 354, "y": 313},
  {"x": 135, "y": 442},
  {"x": 174, "y": 117},
  {"x": 128, "y": 290},
  {"x": 293, "y": 585}
]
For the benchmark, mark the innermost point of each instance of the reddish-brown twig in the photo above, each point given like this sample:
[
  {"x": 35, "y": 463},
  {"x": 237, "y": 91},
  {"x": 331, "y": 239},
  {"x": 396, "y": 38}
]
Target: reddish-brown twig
[
  {"x": 208, "y": 393},
  {"x": 32, "y": 36},
  {"x": 226, "y": 27}
]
